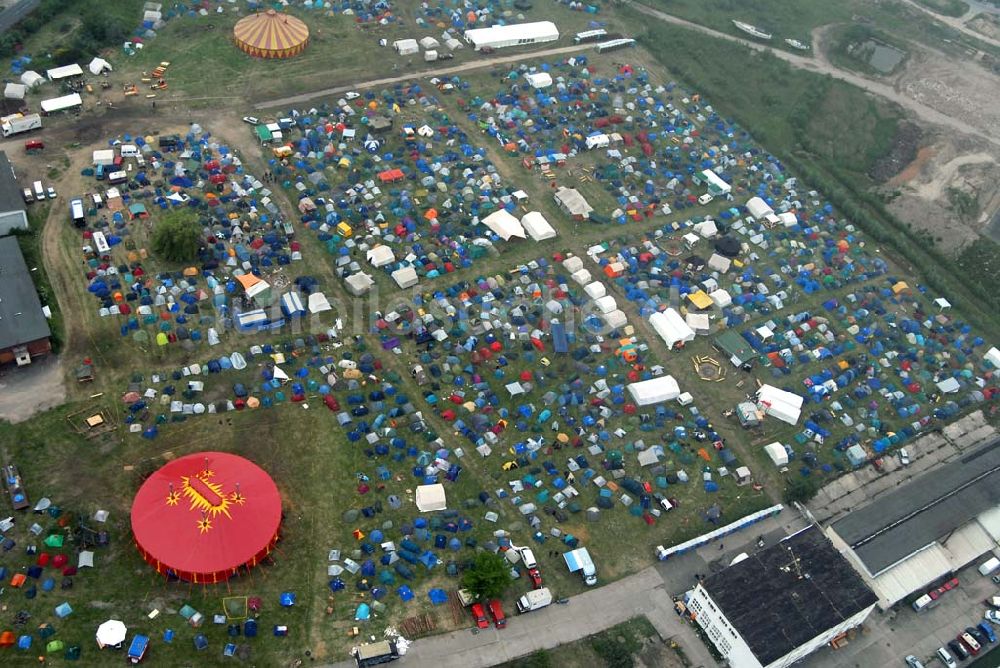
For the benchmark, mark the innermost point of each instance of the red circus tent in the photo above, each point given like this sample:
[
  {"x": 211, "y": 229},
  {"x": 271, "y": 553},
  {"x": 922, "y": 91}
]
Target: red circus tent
[{"x": 204, "y": 516}]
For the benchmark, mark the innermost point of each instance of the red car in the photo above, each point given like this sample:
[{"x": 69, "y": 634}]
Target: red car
[
  {"x": 536, "y": 578},
  {"x": 950, "y": 584},
  {"x": 480, "y": 616},
  {"x": 496, "y": 612}
]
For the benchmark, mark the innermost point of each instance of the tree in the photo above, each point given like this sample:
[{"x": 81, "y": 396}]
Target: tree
[
  {"x": 489, "y": 576},
  {"x": 801, "y": 489},
  {"x": 177, "y": 236}
]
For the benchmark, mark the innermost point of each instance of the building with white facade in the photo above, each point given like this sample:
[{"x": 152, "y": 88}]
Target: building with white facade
[{"x": 778, "y": 605}]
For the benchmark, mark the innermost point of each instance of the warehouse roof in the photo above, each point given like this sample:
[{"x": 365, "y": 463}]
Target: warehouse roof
[
  {"x": 925, "y": 509},
  {"x": 787, "y": 594},
  {"x": 10, "y": 193},
  {"x": 21, "y": 317}
]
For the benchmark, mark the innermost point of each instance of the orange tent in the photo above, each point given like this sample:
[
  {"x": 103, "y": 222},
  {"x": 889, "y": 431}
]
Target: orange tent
[
  {"x": 431, "y": 214},
  {"x": 248, "y": 281},
  {"x": 7, "y": 639},
  {"x": 391, "y": 176},
  {"x": 271, "y": 35}
]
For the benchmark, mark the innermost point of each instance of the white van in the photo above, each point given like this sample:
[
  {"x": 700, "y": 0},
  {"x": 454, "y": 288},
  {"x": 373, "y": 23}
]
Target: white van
[
  {"x": 129, "y": 150},
  {"x": 39, "y": 190},
  {"x": 705, "y": 199},
  {"x": 989, "y": 566}
]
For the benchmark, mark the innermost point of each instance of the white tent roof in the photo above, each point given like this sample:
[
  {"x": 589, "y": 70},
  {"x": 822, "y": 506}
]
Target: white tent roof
[
  {"x": 60, "y": 103},
  {"x": 719, "y": 263},
  {"x": 671, "y": 327},
  {"x": 785, "y": 406},
  {"x": 498, "y": 36},
  {"x": 788, "y": 219},
  {"x": 698, "y": 322},
  {"x": 706, "y": 229},
  {"x": 257, "y": 288},
  {"x": 14, "y": 91},
  {"x": 359, "y": 283},
  {"x": 758, "y": 208},
  {"x": 575, "y": 263},
  {"x": 614, "y": 319},
  {"x": 539, "y": 79},
  {"x": 581, "y": 277},
  {"x": 32, "y": 78},
  {"x": 56, "y": 73},
  {"x": 721, "y": 298},
  {"x": 318, "y": 303},
  {"x": 654, "y": 391},
  {"x": 595, "y": 290},
  {"x": 381, "y": 256},
  {"x": 430, "y": 498},
  {"x": 98, "y": 65},
  {"x": 504, "y": 225},
  {"x": 606, "y": 304},
  {"x": 536, "y": 226},
  {"x": 405, "y": 277},
  {"x": 948, "y": 385},
  {"x": 993, "y": 355},
  {"x": 776, "y": 451}
]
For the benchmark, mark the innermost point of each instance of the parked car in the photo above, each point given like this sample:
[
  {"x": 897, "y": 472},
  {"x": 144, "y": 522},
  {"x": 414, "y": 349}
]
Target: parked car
[
  {"x": 352, "y": 95},
  {"x": 996, "y": 579},
  {"x": 479, "y": 615},
  {"x": 51, "y": 192},
  {"x": 993, "y": 616},
  {"x": 958, "y": 649},
  {"x": 977, "y": 634},
  {"x": 947, "y": 659},
  {"x": 904, "y": 457},
  {"x": 986, "y": 629},
  {"x": 496, "y": 612},
  {"x": 535, "y": 576},
  {"x": 969, "y": 643},
  {"x": 252, "y": 120},
  {"x": 913, "y": 662}
]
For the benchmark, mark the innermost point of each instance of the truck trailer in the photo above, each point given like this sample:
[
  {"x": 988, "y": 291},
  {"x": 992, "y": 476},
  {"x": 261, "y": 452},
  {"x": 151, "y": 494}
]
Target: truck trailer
[{"x": 18, "y": 123}]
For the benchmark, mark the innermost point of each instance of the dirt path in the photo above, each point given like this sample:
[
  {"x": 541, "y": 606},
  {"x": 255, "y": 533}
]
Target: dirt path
[
  {"x": 821, "y": 65},
  {"x": 934, "y": 189},
  {"x": 955, "y": 23},
  {"x": 418, "y": 74}
]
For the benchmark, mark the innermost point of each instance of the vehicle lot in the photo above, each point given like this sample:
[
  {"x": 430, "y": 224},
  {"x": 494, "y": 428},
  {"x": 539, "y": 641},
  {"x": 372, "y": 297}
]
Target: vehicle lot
[{"x": 891, "y": 636}]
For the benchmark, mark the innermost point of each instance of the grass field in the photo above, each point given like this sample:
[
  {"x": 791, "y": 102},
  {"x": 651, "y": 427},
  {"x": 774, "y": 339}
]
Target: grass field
[
  {"x": 619, "y": 646},
  {"x": 954, "y": 8}
]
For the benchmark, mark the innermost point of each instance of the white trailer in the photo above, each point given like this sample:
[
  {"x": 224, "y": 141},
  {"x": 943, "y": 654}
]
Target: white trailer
[
  {"x": 18, "y": 123},
  {"x": 534, "y": 600}
]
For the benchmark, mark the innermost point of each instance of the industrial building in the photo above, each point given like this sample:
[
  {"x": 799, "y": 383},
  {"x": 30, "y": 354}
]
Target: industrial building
[
  {"x": 778, "y": 605},
  {"x": 904, "y": 542},
  {"x": 13, "y": 215},
  {"x": 24, "y": 331}
]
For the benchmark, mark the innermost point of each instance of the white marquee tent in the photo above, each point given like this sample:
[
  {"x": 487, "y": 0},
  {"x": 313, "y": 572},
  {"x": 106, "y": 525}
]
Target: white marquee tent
[
  {"x": 758, "y": 208},
  {"x": 430, "y": 498},
  {"x": 776, "y": 451},
  {"x": 536, "y": 226},
  {"x": 504, "y": 225},
  {"x": 380, "y": 256},
  {"x": 785, "y": 406},
  {"x": 516, "y": 34},
  {"x": 671, "y": 327},
  {"x": 405, "y": 277},
  {"x": 654, "y": 390}
]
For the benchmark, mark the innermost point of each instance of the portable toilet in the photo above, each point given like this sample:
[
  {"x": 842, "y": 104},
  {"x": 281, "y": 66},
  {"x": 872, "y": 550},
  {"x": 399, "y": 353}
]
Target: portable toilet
[{"x": 344, "y": 230}]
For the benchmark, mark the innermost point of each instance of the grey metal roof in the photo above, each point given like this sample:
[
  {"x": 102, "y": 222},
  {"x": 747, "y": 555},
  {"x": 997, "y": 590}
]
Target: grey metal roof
[
  {"x": 787, "y": 594},
  {"x": 21, "y": 318},
  {"x": 10, "y": 191},
  {"x": 924, "y": 510}
]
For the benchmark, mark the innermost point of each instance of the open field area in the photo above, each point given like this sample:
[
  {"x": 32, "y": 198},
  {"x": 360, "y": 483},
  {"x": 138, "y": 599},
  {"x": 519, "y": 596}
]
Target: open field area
[{"x": 385, "y": 294}]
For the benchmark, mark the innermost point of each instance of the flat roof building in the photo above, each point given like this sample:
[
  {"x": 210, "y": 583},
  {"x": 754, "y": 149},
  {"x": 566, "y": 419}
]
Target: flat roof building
[
  {"x": 780, "y": 604},
  {"x": 24, "y": 331},
  {"x": 515, "y": 34},
  {"x": 12, "y": 210},
  {"x": 933, "y": 525}
]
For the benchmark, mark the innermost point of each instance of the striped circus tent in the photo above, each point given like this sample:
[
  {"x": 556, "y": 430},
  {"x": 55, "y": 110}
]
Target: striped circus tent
[{"x": 271, "y": 35}]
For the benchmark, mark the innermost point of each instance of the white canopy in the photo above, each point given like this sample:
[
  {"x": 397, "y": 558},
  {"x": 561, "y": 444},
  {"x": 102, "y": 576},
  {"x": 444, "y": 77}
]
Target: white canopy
[
  {"x": 430, "y": 498},
  {"x": 785, "y": 406},
  {"x": 14, "y": 91},
  {"x": 614, "y": 319},
  {"x": 671, "y": 327},
  {"x": 949, "y": 385},
  {"x": 993, "y": 355},
  {"x": 504, "y": 225},
  {"x": 536, "y": 226},
  {"x": 721, "y": 298},
  {"x": 318, "y": 303},
  {"x": 405, "y": 277},
  {"x": 698, "y": 322},
  {"x": 111, "y": 633},
  {"x": 32, "y": 78},
  {"x": 573, "y": 264},
  {"x": 719, "y": 263},
  {"x": 606, "y": 304},
  {"x": 707, "y": 229},
  {"x": 60, "y": 103},
  {"x": 654, "y": 390},
  {"x": 595, "y": 290},
  {"x": 99, "y": 66},
  {"x": 776, "y": 451},
  {"x": 758, "y": 208},
  {"x": 538, "y": 79},
  {"x": 581, "y": 277},
  {"x": 359, "y": 283},
  {"x": 57, "y": 73},
  {"x": 381, "y": 256}
]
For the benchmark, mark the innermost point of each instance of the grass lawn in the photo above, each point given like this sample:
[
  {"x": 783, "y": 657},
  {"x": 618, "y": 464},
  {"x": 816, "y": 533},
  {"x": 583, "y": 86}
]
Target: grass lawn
[
  {"x": 618, "y": 646},
  {"x": 955, "y": 8}
]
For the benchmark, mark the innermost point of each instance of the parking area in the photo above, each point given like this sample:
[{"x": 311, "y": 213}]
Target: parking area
[{"x": 888, "y": 638}]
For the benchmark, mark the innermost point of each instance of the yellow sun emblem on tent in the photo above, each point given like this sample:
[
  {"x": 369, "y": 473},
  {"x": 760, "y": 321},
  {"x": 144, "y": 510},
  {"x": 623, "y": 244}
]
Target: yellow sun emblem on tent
[{"x": 207, "y": 497}]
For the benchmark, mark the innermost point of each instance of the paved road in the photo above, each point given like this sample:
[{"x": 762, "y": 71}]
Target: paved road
[
  {"x": 416, "y": 74},
  {"x": 820, "y": 65},
  {"x": 14, "y": 13},
  {"x": 29, "y": 390}
]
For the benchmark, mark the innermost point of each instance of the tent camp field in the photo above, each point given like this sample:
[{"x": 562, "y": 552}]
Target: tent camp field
[{"x": 560, "y": 393}]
